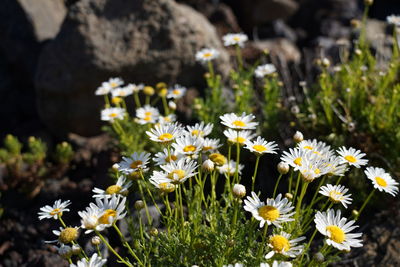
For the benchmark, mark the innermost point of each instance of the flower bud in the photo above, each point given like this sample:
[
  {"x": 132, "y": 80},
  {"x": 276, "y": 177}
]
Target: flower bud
[
  {"x": 76, "y": 249},
  {"x": 139, "y": 204},
  {"x": 325, "y": 62},
  {"x": 355, "y": 213},
  {"x": 319, "y": 257},
  {"x": 64, "y": 251},
  {"x": 68, "y": 235},
  {"x": 153, "y": 232},
  {"x": 218, "y": 159},
  {"x": 368, "y": 2},
  {"x": 148, "y": 90},
  {"x": 95, "y": 241},
  {"x": 115, "y": 166},
  {"x": 116, "y": 100},
  {"x": 172, "y": 105},
  {"x": 298, "y": 137},
  {"x": 283, "y": 167},
  {"x": 163, "y": 92},
  {"x": 358, "y": 52},
  {"x": 239, "y": 191},
  {"x": 289, "y": 196},
  {"x": 208, "y": 165},
  {"x": 161, "y": 85}
]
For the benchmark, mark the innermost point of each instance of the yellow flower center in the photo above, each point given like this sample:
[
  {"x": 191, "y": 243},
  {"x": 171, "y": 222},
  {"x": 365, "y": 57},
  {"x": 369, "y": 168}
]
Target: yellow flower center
[
  {"x": 113, "y": 189},
  {"x": 116, "y": 100},
  {"x": 206, "y": 148},
  {"x": 104, "y": 219},
  {"x": 176, "y": 92},
  {"x": 180, "y": 174},
  {"x": 189, "y": 148},
  {"x": 167, "y": 187},
  {"x": 147, "y": 118},
  {"x": 350, "y": 158},
  {"x": 165, "y": 136},
  {"x": 239, "y": 123},
  {"x": 207, "y": 55},
  {"x": 136, "y": 164},
  {"x": 336, "y": 234},
  {"x": 56, "y": 212},
  {"x": 218, "y": 159},
  {"x": 279, "y": 243},
  {"x": 148, "y": 113},
  {"x": 269, "y": 213},
  {"x": 380, "y": 181},
  {"x": 113, "y": 115},
  {"x": 68, "y": 235},
  {"x": 317, "y": 171},
  {"x": 171, "y": 158},
  {"x": 335, "y": 196},
  {"x": 259, "y": 148},
  {"x": 197, "y": 132},
  {"x": 167, "y": 119},
  {"x": 297, "y": 161},
  {"x": 308, "y": 147},
  {"x": 113, "y": 84},
  {"x": 240, "y": 140},
  {"x": 236, "y": 38}
]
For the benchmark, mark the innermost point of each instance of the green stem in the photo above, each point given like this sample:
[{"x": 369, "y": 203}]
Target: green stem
[
  {"x": 126, "y": 244},
  {"x": 111, "y": 249},
  {"x": 276, "y": 185},
  {"x": 365, "y": 203},
  {"x": 255, "y": 174}
]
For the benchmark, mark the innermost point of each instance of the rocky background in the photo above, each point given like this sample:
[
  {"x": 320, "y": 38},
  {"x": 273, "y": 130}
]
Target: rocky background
[{"x": 54, "y": 53}]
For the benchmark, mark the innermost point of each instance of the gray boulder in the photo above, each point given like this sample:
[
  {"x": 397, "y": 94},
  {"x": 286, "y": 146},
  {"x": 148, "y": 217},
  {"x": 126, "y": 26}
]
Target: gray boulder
[{"x": 140, "y": 41}]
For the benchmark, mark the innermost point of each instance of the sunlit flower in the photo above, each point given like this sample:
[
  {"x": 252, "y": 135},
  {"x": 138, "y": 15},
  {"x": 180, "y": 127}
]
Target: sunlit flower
[
  {"x": 147, "y": 114},
  {"x": 188, "y": 145},
  {"x": 111, "y": 209},
  {"x": 111, "y": 114},
  {"x": 313, "y": 166},
  {"x": 167, "y": 119},
  {"x": 135, "y": 88},
  {"x": 264, "y": 70},
  {"x": 352, "y": 157},
  {"x": 282, "y": 244},
  {"x": 95, "y": 261},
  {"x": 162, "y": 158},
  {"x": 206, "y": 54},
  {"x": 211, "y": 145},
  {"x": 136, "y": 162},
  {"x": 90, "y": 217},
  {"x": 336, "y": 194},
  {"x": 337, "y": 230},
  {"x": 114, "y": 82},
  {"x": 393, "y": 19},
  {"x": 55, "y": 211},
  {"x": 275, "y": 211},
  {"x": 165, "y": 133},
  {"x": 235, "y": 39},
  {"x": 240, "y": 137},
  {"x": 382, "y": 181},
  {"x": 179, "y": 171},
  {"x": 199, "y": 129},
  {"x": 229, "y": 168},
  {"x": 104, "y": 89},
  {"x": 317, "y": 147},
  {"x": 121, "y": 187},
  {"x": 294, "y": 157},
  {"x": 178, "y": 91},
  {"x": 277, "y": 264},
  {"x": 122, "y": 92},
  {"x": 242, "y": 122},
  {"x": 162, "y": 182},
  {"x": 261, "y": 146}
]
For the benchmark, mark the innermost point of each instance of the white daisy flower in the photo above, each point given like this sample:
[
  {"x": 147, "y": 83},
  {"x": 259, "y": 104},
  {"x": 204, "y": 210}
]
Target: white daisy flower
[
  {"x": 211, "y": 145},
  {"x": 188, "y": 145},
  {"x": 200, "y": 129},
  {"x": 167, "y": 119},
  {"x": 147, "y": 114},
  {"x": 337, "y": 230},
  {"x": 121, "y": 187},
  {"x": 336, "y": 168},
  {"x": 111, "y": 209},
  {"x": 111, "y": 114},
  {"x": 135, "y": 88},
  {"x": 278, "y": 264},
  {"x": 240, "y": 137},
  {"x": 136, "y": 162},
  {"x": 66, "y": 235},
  {"x": 336, "y": 194},
  {"x": 206, "y": 55},
  {"x": 264, "y": 70},
  {"x": 122, "y": 92},
  {"x": 313, "y": 166},
  {"x": 55, "y": 211},
  {"x": 352, "y": 157},
  {"x": 229, "y": 168},
  {"x": 178, "y": 91},
  {"x": 394, "y": 20},
  {"x": 235, "y": 39},
  {"x": 234, "y": 265},
  {"x": 90, "y": 217},
  {"x": 162, "y": 158},
  {"x": 165, "y": 133},
  {"x": 95, "y": 261},
  {"x": 260, "y": 146},
  {"x": 179, "y": 171},
  {"x": 317, "y": 147},
  {"x": 242, "y": 122},
  {"x": 382, "y": 181},
  {"x": 114, "y": 82},
  {"x": 104, "y": 89},
  {"x": 282, "y": 244},
  {"x": 162, "y": 182},
  {"x": 294, "y": 157},
  {"x": 275, "y": 211}
]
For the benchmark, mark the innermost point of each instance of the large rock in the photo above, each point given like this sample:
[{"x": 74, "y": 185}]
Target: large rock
[{"x": 141, "y": 41}]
